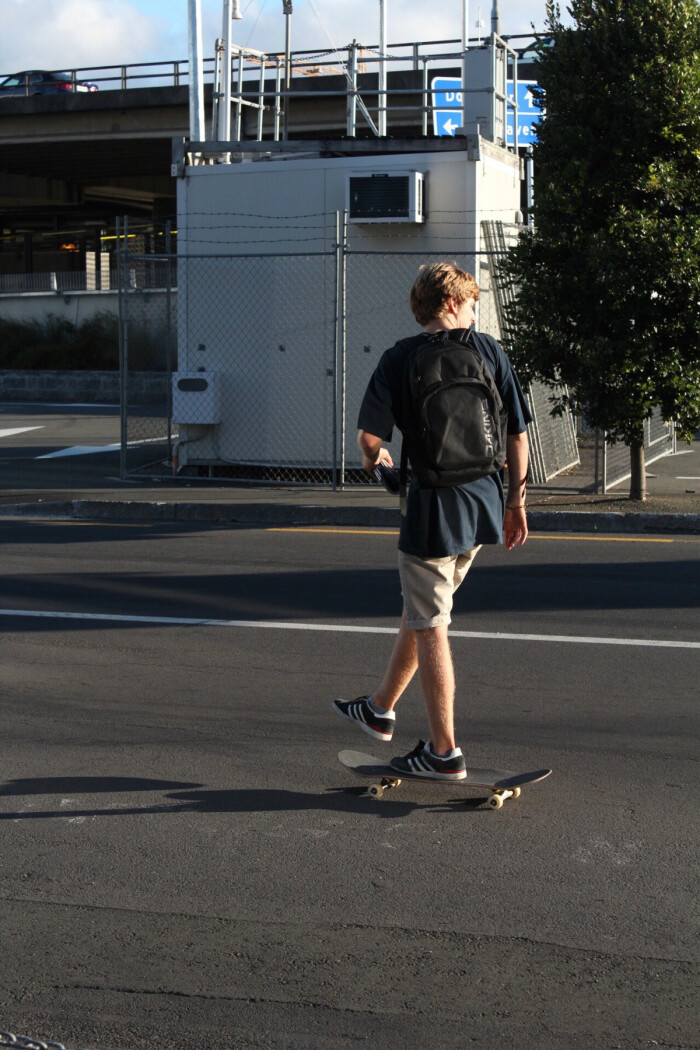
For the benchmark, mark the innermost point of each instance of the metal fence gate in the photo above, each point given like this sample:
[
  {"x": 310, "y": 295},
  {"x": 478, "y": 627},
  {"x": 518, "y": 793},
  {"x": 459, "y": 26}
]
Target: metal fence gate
[{"x": 288, "y": 342}]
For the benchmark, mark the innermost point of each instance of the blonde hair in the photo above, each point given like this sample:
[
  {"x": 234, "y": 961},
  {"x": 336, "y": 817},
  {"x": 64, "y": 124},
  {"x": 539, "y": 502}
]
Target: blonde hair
[{"x": 435, "y": 285}]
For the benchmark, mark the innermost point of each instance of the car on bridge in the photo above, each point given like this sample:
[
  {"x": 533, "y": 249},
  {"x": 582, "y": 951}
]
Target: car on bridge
[{"x": 41, "y": 82}]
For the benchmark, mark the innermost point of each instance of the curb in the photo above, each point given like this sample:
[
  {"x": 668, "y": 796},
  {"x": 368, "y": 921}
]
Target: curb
[{"x": 300, "y": 514}]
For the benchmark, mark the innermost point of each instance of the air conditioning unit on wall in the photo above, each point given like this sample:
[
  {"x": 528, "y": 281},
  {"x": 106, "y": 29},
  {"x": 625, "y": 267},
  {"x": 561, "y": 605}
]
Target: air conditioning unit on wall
[{"x": 395, "y": 196}]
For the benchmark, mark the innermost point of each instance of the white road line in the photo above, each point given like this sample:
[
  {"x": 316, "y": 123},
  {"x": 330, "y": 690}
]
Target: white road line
[
  {"x": 88, "y": 450},
  {"x": 79, "y": 450},
  {"x": 11, "y": 431},
  {"x": 273, "y": 625}
]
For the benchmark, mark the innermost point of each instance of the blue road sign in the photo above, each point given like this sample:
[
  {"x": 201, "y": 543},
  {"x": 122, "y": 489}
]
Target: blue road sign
[
  {"x": 529, "y": 114},
  {"x": 447, "y": 105},
  {"x": 447, "y": 109}
]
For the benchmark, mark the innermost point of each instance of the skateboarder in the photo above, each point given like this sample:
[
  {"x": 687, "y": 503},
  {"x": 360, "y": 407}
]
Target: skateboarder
[{"x": 442, "y": 528}]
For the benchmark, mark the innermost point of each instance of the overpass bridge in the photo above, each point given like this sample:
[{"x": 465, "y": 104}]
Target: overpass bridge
[{"x": 70, "y": 164}]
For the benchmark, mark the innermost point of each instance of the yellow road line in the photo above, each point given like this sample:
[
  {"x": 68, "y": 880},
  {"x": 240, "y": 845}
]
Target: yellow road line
[
  {"x": 604, "y": 539},
  {"x": 532, "y": 536},
  {"x": 329, "y": 528}
]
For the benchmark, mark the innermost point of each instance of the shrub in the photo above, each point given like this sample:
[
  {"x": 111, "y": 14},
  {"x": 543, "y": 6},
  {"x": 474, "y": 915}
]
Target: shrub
[{"x": 55, "y": 343}]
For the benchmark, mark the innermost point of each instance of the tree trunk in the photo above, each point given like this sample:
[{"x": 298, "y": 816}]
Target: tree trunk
[{"x": 638, "y": 481}]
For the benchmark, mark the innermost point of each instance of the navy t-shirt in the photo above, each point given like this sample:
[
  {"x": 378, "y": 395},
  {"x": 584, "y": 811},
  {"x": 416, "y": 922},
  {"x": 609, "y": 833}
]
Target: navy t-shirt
[{"x": 442, "y": 522}]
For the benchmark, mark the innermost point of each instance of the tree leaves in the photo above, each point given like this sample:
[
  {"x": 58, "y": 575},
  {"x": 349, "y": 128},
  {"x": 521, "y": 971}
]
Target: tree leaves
[{"x": 608, "y": 297}]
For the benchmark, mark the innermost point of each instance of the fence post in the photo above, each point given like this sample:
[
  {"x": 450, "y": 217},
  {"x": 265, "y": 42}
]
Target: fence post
[
  {"x": 169, "y": 336},
  {"x": 339, "y": 367},
  {"x": 123, "y": 342}
]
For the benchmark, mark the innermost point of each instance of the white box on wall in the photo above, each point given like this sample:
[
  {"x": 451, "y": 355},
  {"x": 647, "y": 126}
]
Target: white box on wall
[{"x": 197, "y": 398}]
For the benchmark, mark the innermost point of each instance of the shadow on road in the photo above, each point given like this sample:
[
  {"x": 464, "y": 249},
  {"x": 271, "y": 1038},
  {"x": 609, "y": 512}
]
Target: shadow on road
[{"x": 192, "y": 798}]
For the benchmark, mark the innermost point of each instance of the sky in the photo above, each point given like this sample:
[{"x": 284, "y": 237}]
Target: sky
[{"x": 75, "y": 34}]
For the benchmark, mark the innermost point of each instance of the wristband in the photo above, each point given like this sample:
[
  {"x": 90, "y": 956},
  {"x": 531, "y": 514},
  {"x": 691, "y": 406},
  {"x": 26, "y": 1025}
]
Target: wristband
[{"x": 521, "y": 506}]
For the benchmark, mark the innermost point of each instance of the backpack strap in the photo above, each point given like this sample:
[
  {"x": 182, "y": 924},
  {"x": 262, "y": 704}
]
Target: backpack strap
[
  {"x": 403, "y": 479},
  {"x": 414, "y": 342}
]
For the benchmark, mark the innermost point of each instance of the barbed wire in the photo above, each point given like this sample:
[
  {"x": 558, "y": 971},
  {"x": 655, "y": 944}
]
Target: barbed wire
[{"x": 331, "y": 214}]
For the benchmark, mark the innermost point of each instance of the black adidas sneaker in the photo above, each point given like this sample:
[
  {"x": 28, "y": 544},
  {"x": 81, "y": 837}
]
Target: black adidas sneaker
[
  {"x": 379, "y": 726},
  {"x": 421, "y": 762}
]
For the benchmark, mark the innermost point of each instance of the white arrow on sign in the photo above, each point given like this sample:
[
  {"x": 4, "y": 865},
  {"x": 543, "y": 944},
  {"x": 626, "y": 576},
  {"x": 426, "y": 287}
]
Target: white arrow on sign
[{"x": 449, "y": 127}]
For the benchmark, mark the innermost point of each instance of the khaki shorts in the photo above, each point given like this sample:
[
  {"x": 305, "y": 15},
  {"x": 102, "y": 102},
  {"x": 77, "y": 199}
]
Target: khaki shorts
[{"x": 428, "y": 586}]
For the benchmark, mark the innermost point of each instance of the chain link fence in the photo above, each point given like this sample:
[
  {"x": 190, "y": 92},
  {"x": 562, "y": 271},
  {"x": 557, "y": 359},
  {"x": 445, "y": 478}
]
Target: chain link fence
[
  {"x": 147, "y": 358},
  {"x": 253, "y": 366},
  {"x": 659, "y": 440},
  {"x": 553, "y": 442}
]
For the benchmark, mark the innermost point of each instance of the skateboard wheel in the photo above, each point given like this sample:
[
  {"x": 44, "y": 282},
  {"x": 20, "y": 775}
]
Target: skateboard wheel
[
  {"x": 495, "y": 801},
  {"x": 376, "y": 790},
  {"x": 393, "y": 782},
  {"x": 516, "y": 792}
]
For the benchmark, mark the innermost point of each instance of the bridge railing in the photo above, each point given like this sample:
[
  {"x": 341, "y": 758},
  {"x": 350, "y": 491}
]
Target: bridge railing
[{"x": 175, "y": 73}]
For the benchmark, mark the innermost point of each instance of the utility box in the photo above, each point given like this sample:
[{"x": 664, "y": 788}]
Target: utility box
[
  {"x": 395, "y": 196},
  {"x": 197, "y": 398}
]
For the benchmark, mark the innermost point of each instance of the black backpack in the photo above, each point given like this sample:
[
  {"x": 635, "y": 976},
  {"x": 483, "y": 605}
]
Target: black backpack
[{"x": 454, "y": 422}]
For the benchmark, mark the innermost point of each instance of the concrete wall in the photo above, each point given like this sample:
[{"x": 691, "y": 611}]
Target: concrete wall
[
  {"x": 270, "y": 206},
  {"x": 73, "y": 306},
  {"x": 79, "y": 387}
]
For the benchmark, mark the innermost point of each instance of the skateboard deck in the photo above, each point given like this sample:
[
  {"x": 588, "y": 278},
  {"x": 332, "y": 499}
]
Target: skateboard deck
[{"x": 502, "y": 783}]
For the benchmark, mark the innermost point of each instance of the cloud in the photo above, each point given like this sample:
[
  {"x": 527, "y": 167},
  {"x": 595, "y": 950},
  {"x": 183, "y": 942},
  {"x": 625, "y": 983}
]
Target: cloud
[
  {"x": 68, "y": 34},
  {"x": 321, "y": 24}
]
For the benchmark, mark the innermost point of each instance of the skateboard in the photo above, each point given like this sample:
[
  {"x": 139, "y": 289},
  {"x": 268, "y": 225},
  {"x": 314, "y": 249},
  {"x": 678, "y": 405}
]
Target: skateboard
[{"x": 502, "y": 783}]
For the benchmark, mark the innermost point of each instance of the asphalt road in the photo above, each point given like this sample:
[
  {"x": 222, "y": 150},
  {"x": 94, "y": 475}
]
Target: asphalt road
[
  {"x": 185, "y": 864},
  {"x": 44, "y": 447}
]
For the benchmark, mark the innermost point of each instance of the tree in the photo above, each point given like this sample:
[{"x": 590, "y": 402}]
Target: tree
[{"x": 608, "y": 281}]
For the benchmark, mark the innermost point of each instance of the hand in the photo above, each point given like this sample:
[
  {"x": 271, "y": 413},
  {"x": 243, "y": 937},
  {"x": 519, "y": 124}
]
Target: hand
[
  {"x": 382, "y": 456},
  {"x": 515, "y": 528}
]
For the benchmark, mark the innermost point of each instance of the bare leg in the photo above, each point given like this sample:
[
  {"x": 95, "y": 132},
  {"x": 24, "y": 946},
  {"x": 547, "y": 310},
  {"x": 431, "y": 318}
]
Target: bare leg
[
  {"x": 400, "y": 670},
  {"x": 437, "y": 681}
]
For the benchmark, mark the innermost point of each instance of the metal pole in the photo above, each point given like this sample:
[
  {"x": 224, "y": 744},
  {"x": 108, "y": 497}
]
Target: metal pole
[
  {"x": 169, "y": 338},
  {"x": 239, "y": 106},
  {"x": 426, "y": 98},
  {"x": 287, "y": 10},
  {"x": 343, "y": 342},
  {"x": 261, "y": 100},
  {"x": 496, "y": 18},
  {"x": 196, "y": 77},
  {"x": 529, "y": 184},
  {"x": 381, "y": 100},
  {"x": 216, "y": 90},
  {"x": 465, "y": 45},
  {"x": 225, "y": 107},
  {"x": 122, "y": 269},
  {"x": 278, "y": 89},
  {"x": 352, "y": 90},
  {"x": 465, "y": 111},
  {"x": 337, "y": 351}
]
